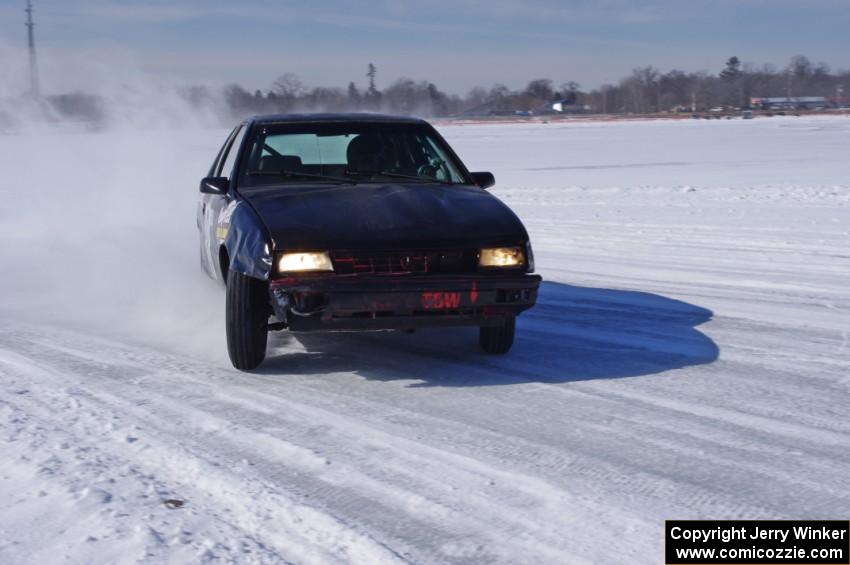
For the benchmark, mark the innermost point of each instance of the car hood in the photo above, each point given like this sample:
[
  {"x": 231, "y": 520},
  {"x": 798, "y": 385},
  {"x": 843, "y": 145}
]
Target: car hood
[{"x": 384, "y": 216}]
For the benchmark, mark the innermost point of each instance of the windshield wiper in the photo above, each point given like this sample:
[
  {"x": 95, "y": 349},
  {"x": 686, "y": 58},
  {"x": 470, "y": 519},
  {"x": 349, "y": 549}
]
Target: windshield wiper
[
  {"x": 396, "y": 175},
  {"x": 290, "y": 174}
]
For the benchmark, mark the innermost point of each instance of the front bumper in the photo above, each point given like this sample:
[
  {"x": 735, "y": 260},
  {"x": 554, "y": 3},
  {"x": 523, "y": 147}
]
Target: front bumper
[{"x": 380, "y": 302}]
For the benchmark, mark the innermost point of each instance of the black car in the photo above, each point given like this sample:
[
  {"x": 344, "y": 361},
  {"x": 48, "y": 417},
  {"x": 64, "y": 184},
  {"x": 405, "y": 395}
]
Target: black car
[{"x": 357, "y": 222}]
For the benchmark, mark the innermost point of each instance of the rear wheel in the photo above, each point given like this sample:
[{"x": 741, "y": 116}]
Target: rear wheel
[
  {"x": 246, "y": 320},
  {"x": 498, "y": 339}
]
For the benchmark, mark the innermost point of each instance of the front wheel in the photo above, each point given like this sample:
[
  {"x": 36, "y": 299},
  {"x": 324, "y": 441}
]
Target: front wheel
[
  {"x": 498, "y": 339},
  {"x": 246, "y": 320}
]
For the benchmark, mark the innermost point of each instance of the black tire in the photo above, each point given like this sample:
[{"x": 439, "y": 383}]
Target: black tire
[
  {"x": 498, "y": 339},
  {"x": 246, "y": 320}
]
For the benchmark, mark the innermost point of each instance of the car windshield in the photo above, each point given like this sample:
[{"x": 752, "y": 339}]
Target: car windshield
[{"x": 355, "y": 153}]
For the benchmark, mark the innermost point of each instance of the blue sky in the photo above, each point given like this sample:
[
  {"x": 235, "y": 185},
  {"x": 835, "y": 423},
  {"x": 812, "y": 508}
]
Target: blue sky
[{"x": 455, "y": 43}]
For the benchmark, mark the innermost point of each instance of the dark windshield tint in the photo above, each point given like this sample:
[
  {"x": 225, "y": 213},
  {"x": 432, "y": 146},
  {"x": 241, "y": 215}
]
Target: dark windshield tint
[{"x": 357, "y": 152}]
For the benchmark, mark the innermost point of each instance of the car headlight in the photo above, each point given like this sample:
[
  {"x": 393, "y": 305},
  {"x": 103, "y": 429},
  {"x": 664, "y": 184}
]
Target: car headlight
[
  {"x": 304, "y": 261},
  {"x": 501, "y": 257}
]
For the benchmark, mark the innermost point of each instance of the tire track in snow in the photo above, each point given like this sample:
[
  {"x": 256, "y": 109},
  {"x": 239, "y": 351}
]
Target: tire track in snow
[
  {"x": 296, "y": 530},
  {"x": 470, "y": 515}
]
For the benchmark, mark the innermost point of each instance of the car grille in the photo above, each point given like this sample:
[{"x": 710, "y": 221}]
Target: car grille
[{"x": 404, "y": 262}]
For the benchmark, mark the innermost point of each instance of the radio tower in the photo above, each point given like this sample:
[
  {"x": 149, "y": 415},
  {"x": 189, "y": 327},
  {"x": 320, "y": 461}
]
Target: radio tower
[{"x": 34, "y": 89}]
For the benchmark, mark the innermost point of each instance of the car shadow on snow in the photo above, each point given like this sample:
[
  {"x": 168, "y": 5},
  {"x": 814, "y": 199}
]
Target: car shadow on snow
[{"x": 574, "y": 333}]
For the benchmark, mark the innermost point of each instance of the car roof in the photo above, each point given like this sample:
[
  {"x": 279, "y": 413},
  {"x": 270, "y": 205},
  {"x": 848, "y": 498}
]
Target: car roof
[{"x": 361, "y": 117}]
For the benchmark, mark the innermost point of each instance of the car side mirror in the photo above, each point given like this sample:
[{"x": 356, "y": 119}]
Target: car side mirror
[
  {"x": 483, "y": 180},
  {"x": 215, "y": 185}
]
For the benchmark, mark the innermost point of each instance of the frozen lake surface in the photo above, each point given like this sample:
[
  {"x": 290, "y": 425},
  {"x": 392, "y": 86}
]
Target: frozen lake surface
[{"x": 688, "y": 358}]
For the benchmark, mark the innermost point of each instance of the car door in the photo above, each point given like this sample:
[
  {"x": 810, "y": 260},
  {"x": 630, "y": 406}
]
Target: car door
[{"x": 212, "y": 205}]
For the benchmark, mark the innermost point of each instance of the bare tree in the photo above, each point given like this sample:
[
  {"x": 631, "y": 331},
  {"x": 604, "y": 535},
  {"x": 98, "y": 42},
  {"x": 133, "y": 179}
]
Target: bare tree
[{"x": 288, "y": 86}]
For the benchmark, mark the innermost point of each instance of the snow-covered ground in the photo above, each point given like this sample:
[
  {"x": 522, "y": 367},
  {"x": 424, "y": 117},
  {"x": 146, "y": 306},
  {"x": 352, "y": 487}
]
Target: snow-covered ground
[{"x": 688, "y": 358}]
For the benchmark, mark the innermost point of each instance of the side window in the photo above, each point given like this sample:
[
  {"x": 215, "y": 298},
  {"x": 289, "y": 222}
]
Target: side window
[
  {"x": 232, "y": 154},
  {"x": 214, "y": 168},
  {"x": 445, "y": 168}
]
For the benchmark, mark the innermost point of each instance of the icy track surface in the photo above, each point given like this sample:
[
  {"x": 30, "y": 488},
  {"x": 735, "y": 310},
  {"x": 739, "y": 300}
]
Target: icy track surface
[{"x": 688, "y": 359}]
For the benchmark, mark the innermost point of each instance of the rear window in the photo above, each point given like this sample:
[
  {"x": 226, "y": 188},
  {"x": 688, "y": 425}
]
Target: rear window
[{"x": 312, "y": 149}]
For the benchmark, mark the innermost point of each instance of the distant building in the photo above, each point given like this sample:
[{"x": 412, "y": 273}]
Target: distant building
[
  {"x": 790, "y": 103},
  {"x": 838, "y": 102},
  {"x": 570, "y": 107}
]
